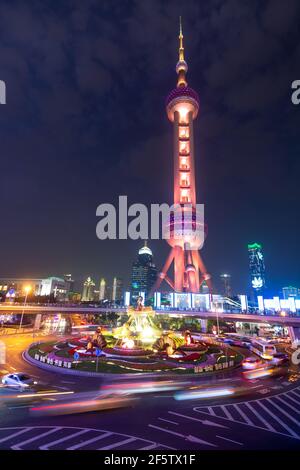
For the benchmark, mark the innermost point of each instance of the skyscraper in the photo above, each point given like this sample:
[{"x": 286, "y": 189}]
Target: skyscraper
[
  {"x": 144, "y": 273},
  {"x": 185, "y": 229},
  {"x": 88, "y": 290},
  {"x": 117, "y": 290},
  {"x": 102, "y": 289},
  {"x": 257, "y": 268},
  {"x": 290, "y": 291},
  {"x": 226, "y": 284}
]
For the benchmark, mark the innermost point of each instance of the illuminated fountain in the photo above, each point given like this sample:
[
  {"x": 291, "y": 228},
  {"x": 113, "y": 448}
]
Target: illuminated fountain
[{"x": 140, "y": 331}]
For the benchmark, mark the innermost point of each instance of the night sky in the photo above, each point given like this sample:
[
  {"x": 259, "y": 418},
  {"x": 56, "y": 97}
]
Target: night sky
[{"x": 85, "y": 121}]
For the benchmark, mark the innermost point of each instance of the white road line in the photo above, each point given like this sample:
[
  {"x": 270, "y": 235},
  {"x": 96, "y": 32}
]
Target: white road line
[
  {"x": 18, "y": 446},
  {"x": 230, "y": 440},
  {"x": 211, "y": 411},
  {"x": 181, "y": 435},
  {"x": 205, "y": 421},
  {"x": 58, "y": 441},
  {"x": 14, "y": 434},
  {"x": 89, "y": 441},
  {"x": 151, "y": 446},
  {"x": 292, "y": 399},
  {"x": 276, "y": 418},
  {"x": 295, "y": 394},
  {"x": 285, "y": 413},
  {"x": 67, "y": 382},
  {"x": 287, "y": 404},
  {"x": 224, "y": 409},
  {"x": 260, "y": 418},
  {"x": 167, "y": 421},
  {"x": 118, "y": 444},
  {"x": 243, "y": 415}
]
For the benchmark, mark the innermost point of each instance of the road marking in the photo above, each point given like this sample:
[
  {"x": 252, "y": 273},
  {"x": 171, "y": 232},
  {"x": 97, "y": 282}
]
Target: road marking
[
  {"x": 276, "y": 418},
  {"x": 285, "y": 413},
  {"x": 118, "y": 444},
  {"x": 226, "y": 412},
  {"x": 14, "y": 434},
  {"x": 243, "y": 415},
  {"x": 17, "y": 446},
  {"x": 230, "y": 440},
  {"x": 206, "y": 421},
  {"x": 67, "y": 382},
  {"x": 167, "y": 421},
  {"x": 287, "y": 404},
  {"x": 58, "y": 441},
  {"x": 189, "y": 437},
  {"x": 292, "y": 399},
  {"x": 260, "y": 418},
  {"x": 89, "y": 441}
]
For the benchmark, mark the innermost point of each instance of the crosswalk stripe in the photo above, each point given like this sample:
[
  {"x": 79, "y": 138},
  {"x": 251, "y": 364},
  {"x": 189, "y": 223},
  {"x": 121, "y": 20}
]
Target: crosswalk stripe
[
  {"x": 224, "y": 408},
  {"x": 287, "y": 404},
  {"x": 11, "y": 436},
  {"x": 295, "y": 394},
  {"x": 276, "y": 418},
  {"x": 285, "y": 413},
  {"x": 89, "y": 441},
  {"x": 260, "y": 418},
  {"x": 118, "y": 444},
  {"x": 243, "y": 415},
  {"x": 292, "y": 399},
  {"x": 18, "y": 446},
  {"x": 58, "y": 441}
]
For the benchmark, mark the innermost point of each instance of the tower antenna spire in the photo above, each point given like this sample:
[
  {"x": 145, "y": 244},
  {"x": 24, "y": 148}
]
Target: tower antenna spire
[
  {"x": 181, "y": 67},
  {"x": 181, "y": 48}
]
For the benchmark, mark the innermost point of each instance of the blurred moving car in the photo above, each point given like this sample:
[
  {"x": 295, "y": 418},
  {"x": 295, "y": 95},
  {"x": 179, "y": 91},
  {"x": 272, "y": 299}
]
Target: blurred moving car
[
  {"x": 18, "y": 380},
  {"x": 251, "y": 363},
  {"x": 280, "y": 359}
]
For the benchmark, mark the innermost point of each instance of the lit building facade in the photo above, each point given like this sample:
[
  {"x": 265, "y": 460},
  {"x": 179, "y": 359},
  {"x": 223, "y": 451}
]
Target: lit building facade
[
  {"x": 12, "y": 288},
  {"x": 290, "y": 291},
  {"x": 117, "y": 290},
  {"x": 144, "y": 273},
  {"x": 102, "y": 289},
  {"x": 226, "y": 285},
  {"x": 257, "y": 268},
  {"x": 185, "y": 230},
  {"x": 88, "y": 290}
]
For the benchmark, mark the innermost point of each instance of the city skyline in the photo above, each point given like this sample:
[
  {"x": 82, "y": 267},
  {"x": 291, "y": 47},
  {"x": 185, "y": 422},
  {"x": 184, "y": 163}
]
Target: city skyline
[{"x": 112, "y": 154}]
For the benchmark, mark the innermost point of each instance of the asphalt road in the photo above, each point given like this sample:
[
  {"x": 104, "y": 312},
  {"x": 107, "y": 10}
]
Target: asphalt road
[{"x": 266, "y": 417}]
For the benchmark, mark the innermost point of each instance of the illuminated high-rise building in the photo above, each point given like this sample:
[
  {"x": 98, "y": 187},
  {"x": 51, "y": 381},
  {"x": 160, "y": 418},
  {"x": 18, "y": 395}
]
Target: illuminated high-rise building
[
  {"x": 290, "y": 291},
  {"x": 185, "y": 229},
  {"x": 102, "y": 289},
  {"x": 117, "y": 290},
  {"x": 257, "y": 267},
  {"x": 144, "y": 273},
  {"x": 226, "y": 285},
  {"x": 88, "y": 290}
]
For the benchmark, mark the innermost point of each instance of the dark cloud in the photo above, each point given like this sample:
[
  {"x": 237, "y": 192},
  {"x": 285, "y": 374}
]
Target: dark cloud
[{"x": 85, "y": 122}]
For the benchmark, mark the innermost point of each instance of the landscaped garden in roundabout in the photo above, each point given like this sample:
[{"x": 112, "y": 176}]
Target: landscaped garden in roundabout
[{"x": 139, "y": 345}]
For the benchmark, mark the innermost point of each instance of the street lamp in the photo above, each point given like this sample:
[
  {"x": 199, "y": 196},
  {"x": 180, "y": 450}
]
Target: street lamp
[{"x": 27, "y": 289}]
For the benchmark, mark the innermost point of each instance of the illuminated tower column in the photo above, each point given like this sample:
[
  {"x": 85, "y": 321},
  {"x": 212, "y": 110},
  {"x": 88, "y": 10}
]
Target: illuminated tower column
[{"x": 182, "y": 108}]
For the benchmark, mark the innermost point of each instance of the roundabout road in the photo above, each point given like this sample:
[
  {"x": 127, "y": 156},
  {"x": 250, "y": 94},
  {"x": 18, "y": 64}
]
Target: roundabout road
[{"x": 268, "y": 417}]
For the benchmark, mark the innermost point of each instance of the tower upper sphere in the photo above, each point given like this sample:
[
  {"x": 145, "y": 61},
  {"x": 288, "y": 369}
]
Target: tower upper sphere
[{"x": 182, "y": 98}]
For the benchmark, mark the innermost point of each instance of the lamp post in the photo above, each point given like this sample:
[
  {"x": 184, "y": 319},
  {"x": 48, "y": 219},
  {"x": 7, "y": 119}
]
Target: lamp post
[{"x": 27, "y": 289}]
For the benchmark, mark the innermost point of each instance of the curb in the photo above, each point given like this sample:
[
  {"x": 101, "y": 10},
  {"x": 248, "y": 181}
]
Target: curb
[{"x": 26, "y": 356}]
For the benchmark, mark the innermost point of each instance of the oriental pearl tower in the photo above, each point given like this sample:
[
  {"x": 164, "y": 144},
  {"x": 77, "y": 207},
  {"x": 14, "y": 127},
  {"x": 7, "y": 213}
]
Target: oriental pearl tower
[{"x": 182, "y": 107}]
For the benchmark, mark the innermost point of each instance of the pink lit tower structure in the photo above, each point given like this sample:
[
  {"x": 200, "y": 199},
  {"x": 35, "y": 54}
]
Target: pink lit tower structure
[{"x": 182, "y": 106}]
